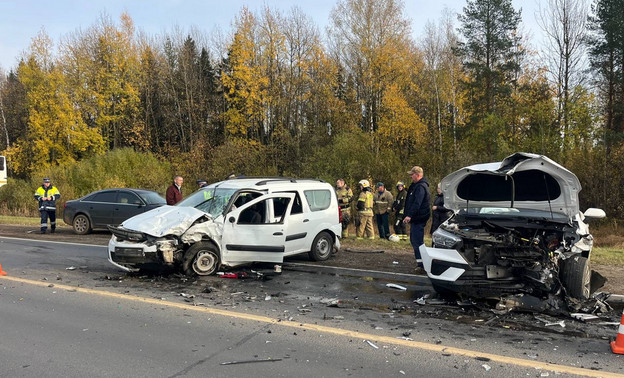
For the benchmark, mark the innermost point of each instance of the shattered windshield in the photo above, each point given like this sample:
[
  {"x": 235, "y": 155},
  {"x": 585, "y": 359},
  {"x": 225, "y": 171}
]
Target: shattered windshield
[{"x": 209, "y": 200}]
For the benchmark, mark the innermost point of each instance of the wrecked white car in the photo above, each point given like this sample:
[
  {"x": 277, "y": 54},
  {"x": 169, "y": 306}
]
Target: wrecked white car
[
  {"x": 516, "y": 228},
  {"x": 232, "y": 222}
]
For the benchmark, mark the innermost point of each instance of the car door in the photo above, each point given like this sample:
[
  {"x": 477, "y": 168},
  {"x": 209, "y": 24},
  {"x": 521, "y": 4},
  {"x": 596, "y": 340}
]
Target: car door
[
  {"x": 251, "y": 233},
  {"x": 298, "y": 230},
  {"x": 127, "y": 205},
  {"x": 100, "y": 207}
]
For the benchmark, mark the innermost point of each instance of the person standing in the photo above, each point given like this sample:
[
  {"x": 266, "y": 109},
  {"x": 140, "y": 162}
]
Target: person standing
[
  {"x": 417, "y": 210},
  {"x": 345, "y": 195},
  {"x": 382, "y": 203},
  {"x": 365, "y": 211},
  {"x": 440, "y": 213},
  {"x": 399, "y": 207},
  {"x": 201, "y": 183},
  {"x": 174, "y": 191},
  {"x": 47, "y": 195}
]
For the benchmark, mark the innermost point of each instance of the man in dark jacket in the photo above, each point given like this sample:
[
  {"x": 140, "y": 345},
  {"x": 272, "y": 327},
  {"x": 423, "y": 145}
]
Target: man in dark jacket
[
  {"x": 440, "y": 213},
  {"x": 417, "y": 210},
  {"x": 174, "y": 191},
  {"x": 399, "y": 208}
]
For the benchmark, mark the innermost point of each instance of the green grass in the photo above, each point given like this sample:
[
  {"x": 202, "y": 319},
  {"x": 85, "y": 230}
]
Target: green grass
[
  {"x": 608, "y": 256},
  {"x": 29, "y": 221}
]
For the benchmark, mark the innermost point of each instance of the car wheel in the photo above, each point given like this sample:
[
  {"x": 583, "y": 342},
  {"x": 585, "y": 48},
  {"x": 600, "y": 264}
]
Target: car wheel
[
  {"x": 576, "y": 277},
  {"x": 322, "y": 247},
  {"x": 81, "y": 224},
  {"x": 201, "y": 259}
]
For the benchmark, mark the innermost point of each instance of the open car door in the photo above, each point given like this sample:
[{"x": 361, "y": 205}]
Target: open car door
[{"x": 252, "y": 233}]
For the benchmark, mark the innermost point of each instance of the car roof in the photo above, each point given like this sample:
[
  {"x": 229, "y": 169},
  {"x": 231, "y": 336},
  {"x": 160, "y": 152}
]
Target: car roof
[
  {"x": 261, "y": 183},
  {"x": 139, "y": 191}
]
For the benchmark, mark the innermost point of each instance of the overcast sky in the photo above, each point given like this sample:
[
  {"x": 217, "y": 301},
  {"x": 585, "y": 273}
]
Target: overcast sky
[{"x": 21, "y": 20}]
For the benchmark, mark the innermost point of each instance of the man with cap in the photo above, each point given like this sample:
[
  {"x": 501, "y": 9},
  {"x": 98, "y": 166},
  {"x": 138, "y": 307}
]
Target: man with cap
[
  {"x": 417, "y": 210},
  {"x": 47, "y": 195},
  {"x": 201, "y": 183},
  {"x": 398, "y": 207},
  {"x": 382, "y": 202}
]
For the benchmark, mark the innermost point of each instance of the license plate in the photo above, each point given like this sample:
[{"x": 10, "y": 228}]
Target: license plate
[{"x": 134, "y": 252}]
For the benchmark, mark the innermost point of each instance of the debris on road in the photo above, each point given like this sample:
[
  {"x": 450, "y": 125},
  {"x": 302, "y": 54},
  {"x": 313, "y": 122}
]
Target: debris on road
[
  {"x": 363, "y": 250},
  {"x": 371, "y": 344},
  {"x": 395, "y": 286},
  {"x": 250, "y": 361},
  {"x": 71, "y": 268}
]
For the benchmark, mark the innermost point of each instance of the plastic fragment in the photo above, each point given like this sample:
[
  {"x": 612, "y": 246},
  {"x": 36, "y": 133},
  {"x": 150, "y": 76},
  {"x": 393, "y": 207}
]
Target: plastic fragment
[
  {"x": 371, "y": 344},
  {"x": 395, "y": 286}
]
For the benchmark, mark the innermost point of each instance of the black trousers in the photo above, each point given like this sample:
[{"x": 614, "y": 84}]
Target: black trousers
[{"x": 44, "y": 219}]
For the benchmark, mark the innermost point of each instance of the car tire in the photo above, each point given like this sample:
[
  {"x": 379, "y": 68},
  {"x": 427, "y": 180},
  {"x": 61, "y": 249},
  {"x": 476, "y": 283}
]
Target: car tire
[
  {"x": 322, "y": 247},
  {"x": 201, "y": 259},
  {"x": 576, "y": 277},
  {"x": 81, "y": 224}
]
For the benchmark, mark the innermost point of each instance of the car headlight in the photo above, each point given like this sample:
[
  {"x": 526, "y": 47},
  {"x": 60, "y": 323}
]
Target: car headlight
[{"x": 444, "y": 239}]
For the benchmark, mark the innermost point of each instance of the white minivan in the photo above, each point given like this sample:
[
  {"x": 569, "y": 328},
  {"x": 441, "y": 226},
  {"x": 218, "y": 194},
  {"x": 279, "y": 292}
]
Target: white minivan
[{"x": 232, "y": 222}]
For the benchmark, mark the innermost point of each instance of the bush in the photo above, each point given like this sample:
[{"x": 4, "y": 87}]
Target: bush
[{"x": 121, "y": 168}]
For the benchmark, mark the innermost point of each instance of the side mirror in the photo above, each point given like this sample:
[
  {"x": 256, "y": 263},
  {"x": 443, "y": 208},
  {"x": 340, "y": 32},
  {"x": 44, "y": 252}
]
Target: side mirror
[
  {"x": 593, "y": 213},
  {"x": 232, "y": 219}
]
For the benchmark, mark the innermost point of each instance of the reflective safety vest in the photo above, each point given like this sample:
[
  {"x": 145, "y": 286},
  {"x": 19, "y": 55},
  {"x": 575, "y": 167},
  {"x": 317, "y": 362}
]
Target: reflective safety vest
[
  {"x": 344, "y": 197},
  {"x": 43, "y": 192},
  {"x": 367, "y": 198}
]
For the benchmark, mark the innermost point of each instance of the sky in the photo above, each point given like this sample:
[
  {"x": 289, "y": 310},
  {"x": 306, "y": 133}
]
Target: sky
[{"x": 21, "y": 20}]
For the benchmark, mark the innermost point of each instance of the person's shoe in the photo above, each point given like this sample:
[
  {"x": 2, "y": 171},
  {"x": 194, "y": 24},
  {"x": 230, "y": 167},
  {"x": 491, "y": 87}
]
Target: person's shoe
[
  {"x": 359, "y": 238},
  {"x": 42, "y": 232},
  {"x": 52, "y": 231},
  {"x": 371, "y": 238}
]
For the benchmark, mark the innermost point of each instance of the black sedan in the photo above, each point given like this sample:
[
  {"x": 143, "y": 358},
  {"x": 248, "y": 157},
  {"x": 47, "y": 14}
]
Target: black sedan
[{"x": 109, "y": 206}]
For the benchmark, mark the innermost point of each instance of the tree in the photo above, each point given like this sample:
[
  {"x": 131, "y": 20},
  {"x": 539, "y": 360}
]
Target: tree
[
  {"x": 244, "y": 84},
  {"x": 371, "y": 39},
  {"x": 56, "y": 133},
  {"x": 564, "y": 21},
  {"x": 489, "y": 29},
  {"x": 607, "y": 59}
]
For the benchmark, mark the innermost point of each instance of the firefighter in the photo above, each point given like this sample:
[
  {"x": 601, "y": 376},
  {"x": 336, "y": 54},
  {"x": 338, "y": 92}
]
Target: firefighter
[
  {"x": 345, "y": 195},
  {"x": 365, "y": 211},
  {"x": 47, "y": 195},
  {"x": 398, "y": 207}
]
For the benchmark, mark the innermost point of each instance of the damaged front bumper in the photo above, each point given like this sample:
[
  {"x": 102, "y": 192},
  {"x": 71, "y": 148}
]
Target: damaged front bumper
[{"x": 449, "y": 271}]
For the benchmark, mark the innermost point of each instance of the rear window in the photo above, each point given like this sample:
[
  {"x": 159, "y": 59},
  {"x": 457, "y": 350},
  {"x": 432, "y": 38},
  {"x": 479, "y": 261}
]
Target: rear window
[
  {"x": 318, "y": 199},
  {"x": 152, "y": 198},
  {"x": 103, "y": 197}
]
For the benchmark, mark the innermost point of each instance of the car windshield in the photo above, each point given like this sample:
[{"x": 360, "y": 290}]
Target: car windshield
[
  {"x": 152, "y": 198},
  {"x": 210, "y": 200},
  {"x": 512, "y": 212}
]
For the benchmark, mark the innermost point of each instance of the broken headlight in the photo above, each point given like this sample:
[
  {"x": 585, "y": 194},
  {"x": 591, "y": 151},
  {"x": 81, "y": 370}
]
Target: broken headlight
[{"x": 445, "y": 239}]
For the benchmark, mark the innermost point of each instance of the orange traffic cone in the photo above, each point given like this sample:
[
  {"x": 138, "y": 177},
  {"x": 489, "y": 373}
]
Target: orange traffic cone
[
  {"x": 2, "y": 272},
  {"x": 617, "y": 346}
]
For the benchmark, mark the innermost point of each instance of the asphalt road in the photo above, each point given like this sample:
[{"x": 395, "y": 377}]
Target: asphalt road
[{"x": 96, "y": 321}]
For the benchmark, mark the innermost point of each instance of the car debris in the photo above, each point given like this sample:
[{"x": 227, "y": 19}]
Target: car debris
[
  {"x": 250, "y": 361},
  {"x": 549, "y": 323},
  {"x": 71, "y": 268},
  {"x": 395, "y": 286},
  {"x": 371, "y": 344}
]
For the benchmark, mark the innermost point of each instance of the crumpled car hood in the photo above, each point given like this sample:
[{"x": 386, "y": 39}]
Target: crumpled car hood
[
  {"x": 521, "y": 180},
  {"x": 164, "y": 220}
]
